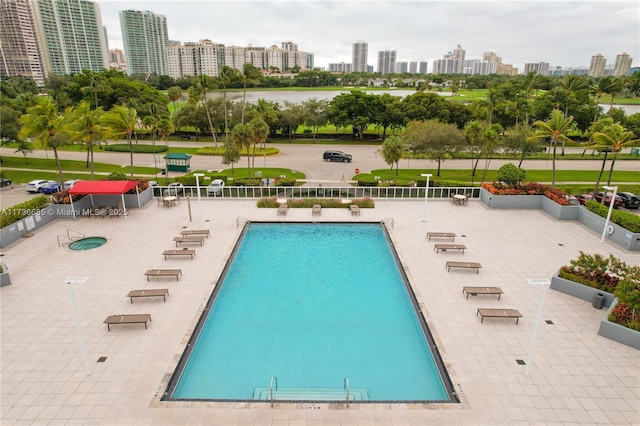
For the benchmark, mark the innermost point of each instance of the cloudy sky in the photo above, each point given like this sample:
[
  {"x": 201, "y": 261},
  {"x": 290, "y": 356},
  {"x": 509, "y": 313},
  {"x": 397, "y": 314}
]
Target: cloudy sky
[{"x": 562, "y": 32}]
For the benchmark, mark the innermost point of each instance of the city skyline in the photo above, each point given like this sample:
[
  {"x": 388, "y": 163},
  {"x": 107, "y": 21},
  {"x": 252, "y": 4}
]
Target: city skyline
[{"x": 418, "y": 31}]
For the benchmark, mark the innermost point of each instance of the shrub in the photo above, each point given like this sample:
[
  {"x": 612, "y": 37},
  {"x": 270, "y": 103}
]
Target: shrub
[
  {"x": 136, "y": 148},
  {"x": 531, "y": 188},
  {"x": 22, "y": 210},
  {"x": 628, "y": 221},
  {"x": 510, "y": 174}
]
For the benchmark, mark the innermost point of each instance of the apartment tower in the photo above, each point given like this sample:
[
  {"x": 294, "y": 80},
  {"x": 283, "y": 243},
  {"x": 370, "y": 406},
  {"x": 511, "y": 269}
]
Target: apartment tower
[
  {"x": 387, "y": 62},
  {"x": 145, "y": 37},
  {"x": 622, "y": 65},
  {"x": 359, "y": 52},
  {"x": 20, "y": 48},
  {"x": 596, "y": 68},
  {"x": 72, "y": 36}
]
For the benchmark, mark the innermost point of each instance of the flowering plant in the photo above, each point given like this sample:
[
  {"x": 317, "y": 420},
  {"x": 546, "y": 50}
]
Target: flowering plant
[{"x": 530, "y": 188}]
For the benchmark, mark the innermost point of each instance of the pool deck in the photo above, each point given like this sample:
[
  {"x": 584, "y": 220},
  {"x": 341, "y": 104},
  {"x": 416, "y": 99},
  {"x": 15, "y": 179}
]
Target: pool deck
[{"x": 576, "y": 376}]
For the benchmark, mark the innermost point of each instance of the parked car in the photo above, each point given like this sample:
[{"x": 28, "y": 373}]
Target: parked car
[
  {"x": 607, "y": 199},
  {"x": 583, "y": 198},
  {"x": 36, "y": 185},
  {"x": 336, "y": 156},
  {"x": 215, "y": 187},
  {"x": 630, "y": 200},
  {"x": 174, "y": 188},
  {"x": 69, "y": 183},
  {"x": 5, "y": 182},
  {"x": 51, "y": 187}
]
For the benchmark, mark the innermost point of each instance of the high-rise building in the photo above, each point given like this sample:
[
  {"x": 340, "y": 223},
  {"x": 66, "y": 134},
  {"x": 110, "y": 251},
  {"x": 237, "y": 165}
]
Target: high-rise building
[
  {"x": 289, "y": 46},
  {"x": 402, "y": 67},
  {"x": 117, "y": 60},
  {"x": 72, "y": 36},
  {"x": 20, "y": 48},
  {"x": 413, "y": 67},
  {"x": 540, "y": 68},
  {"x": 622, "y": 65},
  {"x": 340, "y": 67},
  {"x": 501, "y": 69},
  {"x": 387, "y": 62},
  {"x": 453, "y": 62},
  {"x": 423, "y": 67},
  {"x": 145, "y": 37},
  {"x": 596, "y": 68},
  {"x": 359, "y": 51},
  {"x": 458, "y": 54}
]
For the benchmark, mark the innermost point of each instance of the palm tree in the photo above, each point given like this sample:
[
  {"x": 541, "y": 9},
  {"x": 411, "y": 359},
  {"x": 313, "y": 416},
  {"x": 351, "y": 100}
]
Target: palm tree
[
  {"x": 600, "y": 87},
  {"x": 617, "y": 84},
  {"x": 392, "y": 150},
  {"x": 611, "y": 138},
  {"x": 86, "y": 127},
  {"x": 205, "y": 82},
  {"x": 259, "y": 132},
  {"x": 122, "y": 121},
  {"x": 571, "y": 84},
  {"x": 226, "y": 76},
  {"x": 493, "y": 97},
  {"x": 95, "y": 85},
  {"x": 174, "y": 93},
  {"x": 242, "y": 137},
  {"x": 250, "y": 75},
  {"x": 555, "y": 129},
  {"x": 473, "y": 132},
  {"x": 165, "y": 127},
  {"x": 47, "y": 127}
]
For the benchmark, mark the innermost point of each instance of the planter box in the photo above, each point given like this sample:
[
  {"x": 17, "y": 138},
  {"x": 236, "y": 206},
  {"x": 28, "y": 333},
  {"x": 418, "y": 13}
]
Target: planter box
[
  {"x": 578, "y": 290},
  {"x": 5, "y": 279},
  {"x": 620, "y": 236},
  {"x": 12, "y": 233},
  {"x": 557, "y": 211},
  {"x": 511, "y": 201},
  {"x": 618, "y": 333}
]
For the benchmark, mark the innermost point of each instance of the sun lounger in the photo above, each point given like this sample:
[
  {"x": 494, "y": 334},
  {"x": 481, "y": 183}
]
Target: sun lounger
[
  {"x": 482, "y": 290},
  {"x": 355, "y": 210},
  {"x": 182, "y": 252},
  {"x": 498, "y": 313},
  {"x": 283, "y": 209},
  {"x": 127, "y": 319},
  {"x": 191, "y": 232},
  {"x": 316, "y": 210},
  {"x": 163, "y": 273},
  {"x": 156, "y": 292},
  {"x": 464, "y": 265},
  {"x": 441, "y": 235},
  {"x": 189, "y": 240},
  {"x": 445, "y": 247}
]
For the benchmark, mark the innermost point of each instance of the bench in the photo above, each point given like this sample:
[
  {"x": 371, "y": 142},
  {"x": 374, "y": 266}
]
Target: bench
[
  {"x": 189, "y": 232},
  {"x": 127, "y": 319},
  {"x": 445, "y": 247},
  {"x": 482, "y": 290},
  {"x": 178, "y": 253},
  {"x": 441, "y": 235},
  {"x": 498, "y": 313},
  {"x": 189, "y": 240},
  {"x": 156, "y": 292},
  {"x": 163, "y": 273},
  {"x": 465, "y": 265}
]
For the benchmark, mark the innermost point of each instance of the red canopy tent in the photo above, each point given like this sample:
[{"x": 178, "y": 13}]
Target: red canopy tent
[{"x": 102, "y": 187}]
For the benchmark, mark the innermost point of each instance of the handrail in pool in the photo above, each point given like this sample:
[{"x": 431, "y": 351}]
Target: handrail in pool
[{"x": 273, "y": 378}]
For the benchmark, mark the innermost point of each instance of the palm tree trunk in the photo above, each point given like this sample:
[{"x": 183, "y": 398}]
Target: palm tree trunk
[
  {"x": 130, "y": 152},
  {"x": 244, "y": 102},
  {"x": 613, "y": 162},
  {"x": 58, "y": 165},
  {"x": 553, "y": 164},
  {"x": 595, "y": 188},
  {"x": 226, "y": 118}
]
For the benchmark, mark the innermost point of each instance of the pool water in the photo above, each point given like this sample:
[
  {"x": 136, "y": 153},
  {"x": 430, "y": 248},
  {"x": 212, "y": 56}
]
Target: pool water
[
  {"x": 87, "y": 243},
  {"x": 311, "y": 305}
]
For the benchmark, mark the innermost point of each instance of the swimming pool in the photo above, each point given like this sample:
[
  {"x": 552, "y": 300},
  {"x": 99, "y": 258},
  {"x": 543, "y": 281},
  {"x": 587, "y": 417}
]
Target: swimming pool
[{"x": 308, "y": 308}]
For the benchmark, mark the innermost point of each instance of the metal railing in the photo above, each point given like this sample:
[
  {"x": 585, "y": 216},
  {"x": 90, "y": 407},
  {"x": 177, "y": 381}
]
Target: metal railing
[
  {"x": 273, "y": 379},
  {"x": 346, "y": 387},
  {"x": 344, "y": 192},
  {"x": 78, "y": 236}
]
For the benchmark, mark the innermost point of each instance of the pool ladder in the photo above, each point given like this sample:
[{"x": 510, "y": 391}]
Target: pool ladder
[
  {"x": 70, "y": 238},
  {"x": 241, "y": 221},
  {"x": 389, "y": 222}
]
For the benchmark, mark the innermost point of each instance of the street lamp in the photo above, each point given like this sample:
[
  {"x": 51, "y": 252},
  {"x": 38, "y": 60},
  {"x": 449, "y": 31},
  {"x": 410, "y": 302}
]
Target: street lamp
[
  {"x": 69, "y": 281},
  {"x": 426, "y": 195},
  {"x": 198, "y": 176},
  {"x": 613, "y": 199},
  {"x": 544, "y": 283}
]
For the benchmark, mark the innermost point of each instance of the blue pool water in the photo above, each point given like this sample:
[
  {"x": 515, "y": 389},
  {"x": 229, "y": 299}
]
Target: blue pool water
[
  {"x": 311, "y": 304},
  {"x": 88, "y": 243}
]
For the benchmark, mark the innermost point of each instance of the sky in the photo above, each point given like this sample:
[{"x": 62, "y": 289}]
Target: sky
[{"x": 563, "y": 33}]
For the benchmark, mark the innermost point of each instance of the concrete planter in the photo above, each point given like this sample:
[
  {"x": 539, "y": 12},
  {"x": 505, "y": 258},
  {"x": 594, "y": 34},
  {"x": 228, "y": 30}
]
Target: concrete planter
[
  {"x": 617, "y": 332},
  {"x": 578, "y": 290},
  {"x": 620, "y": 236},
  {"x": 557, "y": 211},
  {"x": 13, "y": 232},
  {"x": 511, "y": 201},
  {"x": 5, "y": 279}
]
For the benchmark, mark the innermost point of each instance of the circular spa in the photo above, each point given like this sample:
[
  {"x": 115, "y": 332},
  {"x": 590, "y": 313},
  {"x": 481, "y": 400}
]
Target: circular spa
[{"x": 87, "y": 243}]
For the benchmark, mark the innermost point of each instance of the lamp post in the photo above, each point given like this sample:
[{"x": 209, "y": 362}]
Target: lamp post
[
  {"x": 198, "y": 176},
  {"x": 69, "y": 281},
  {"x": 613, "y": 199},
  {"x": 544, "y": 283},
  {"x": 426, "y": 195}
]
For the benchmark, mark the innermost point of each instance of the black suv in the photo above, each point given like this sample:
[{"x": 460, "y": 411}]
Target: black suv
[
  {"x": 630, "y": 200},
  {"x": 336, "y": 156}
]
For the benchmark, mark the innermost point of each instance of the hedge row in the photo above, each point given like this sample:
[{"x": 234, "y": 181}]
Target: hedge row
[
  {"x": 22, "y": 210},
  {"x": 628, "y": 221}
]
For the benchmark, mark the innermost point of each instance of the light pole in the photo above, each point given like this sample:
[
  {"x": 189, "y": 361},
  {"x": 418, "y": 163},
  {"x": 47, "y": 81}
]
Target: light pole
[
  {"x": 613, "y": 199},
  {"x": 426, "y": 195},
  {"x": 198, "y": 176},
  {"x": 544, "y": 283},
  {"x": 69, "y": 281}
]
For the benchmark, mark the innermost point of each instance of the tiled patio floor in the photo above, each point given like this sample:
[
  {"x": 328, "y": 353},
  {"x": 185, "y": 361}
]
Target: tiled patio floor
[{"x": 576, "y": 377}]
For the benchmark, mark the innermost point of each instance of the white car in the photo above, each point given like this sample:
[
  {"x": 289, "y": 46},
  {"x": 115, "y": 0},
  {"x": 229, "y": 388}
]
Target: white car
[
  {"x": 37, "y": 185},
  {"x": 69, "y": 183},
  {"x": 174, "y": 188},
  {"x": 215, "y": 187}
]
